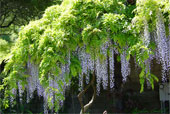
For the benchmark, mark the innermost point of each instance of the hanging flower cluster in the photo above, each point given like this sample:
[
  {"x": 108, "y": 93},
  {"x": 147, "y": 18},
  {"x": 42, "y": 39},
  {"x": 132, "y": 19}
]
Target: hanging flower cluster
[
  {"x": 151, "y": 19},
  {"x": 111, "y": 66},
  {"x": 102, "y": 65},
  {"x": 161, "y": 53},
  {"x": 125, "y": 66},
  {"x": 162, "y": 45},
  {"x": 52, "y": 41},
  {"x": 146, "y": 34},
  {"x": 33, "y": 85},
  {"x": 87, "y": 64}
]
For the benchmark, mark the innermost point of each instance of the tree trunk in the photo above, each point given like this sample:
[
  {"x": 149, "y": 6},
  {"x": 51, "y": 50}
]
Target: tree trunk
[{"x": 80, "y": 95}]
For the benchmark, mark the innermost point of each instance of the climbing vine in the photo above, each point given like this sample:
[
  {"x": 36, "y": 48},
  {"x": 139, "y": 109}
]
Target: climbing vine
[{"x": 80, "y": 37}]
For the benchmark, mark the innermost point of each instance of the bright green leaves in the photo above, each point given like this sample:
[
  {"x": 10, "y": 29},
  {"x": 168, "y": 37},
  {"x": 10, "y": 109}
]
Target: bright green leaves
[
  {"x": 4, "y": 45},
  {"x": 115, "y": 6},
  {"x": 66, "y": 19},
  {"x": 142, "y": 79},
  {"x": 117, "y": 27},
  {"x": 114, "y": 22},
  {"x": 147, "y": 10},
  {"x": 152, "y": 78},
  {"x": 52, "y": 38},
  {"x": 142, "y": 54},
  {"x": 147, "y": 7},
  {"x": 93, "y": 38},
  {"x": 87, "y": 9},
  {"x": 149, "y": 76},
  {"x": 140, "y": 51},
  {"x": 75, "y": 24},
  {"x": 5, "y": 101},
  {"x": 75, "y": 66},
  {"x": 52, "y": 12},
  {"x": 166, "y": 5},
  {"x": 4, "y": 49}
]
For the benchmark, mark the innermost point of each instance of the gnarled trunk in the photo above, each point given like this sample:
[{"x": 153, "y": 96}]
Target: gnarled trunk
[{"x": 80, "y": 95}]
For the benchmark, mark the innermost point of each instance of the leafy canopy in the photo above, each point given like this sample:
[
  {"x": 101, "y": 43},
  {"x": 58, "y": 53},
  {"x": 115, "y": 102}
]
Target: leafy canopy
[{"x": 71, "y": 25}]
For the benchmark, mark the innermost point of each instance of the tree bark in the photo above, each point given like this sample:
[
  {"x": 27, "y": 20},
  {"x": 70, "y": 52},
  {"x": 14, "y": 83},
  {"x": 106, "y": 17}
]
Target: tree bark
[{"x": 80, "y": 95}]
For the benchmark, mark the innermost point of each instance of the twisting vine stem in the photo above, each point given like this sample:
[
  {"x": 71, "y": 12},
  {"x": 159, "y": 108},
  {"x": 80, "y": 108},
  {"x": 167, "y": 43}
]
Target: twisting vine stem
[{"x": 80, "y": 95}]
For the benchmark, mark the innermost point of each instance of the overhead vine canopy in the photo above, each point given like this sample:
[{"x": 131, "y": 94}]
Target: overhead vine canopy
[{"x": 80, "y": 37}]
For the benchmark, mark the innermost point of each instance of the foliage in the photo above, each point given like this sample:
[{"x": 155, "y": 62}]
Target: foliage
[
  {"x": 19, "y": 12},
  {"x": 16, "y": 13},
  {"x": 5, "y": 46},
  {"x": 65, "y": 28},
  {"x": 147, "y": 9}
]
